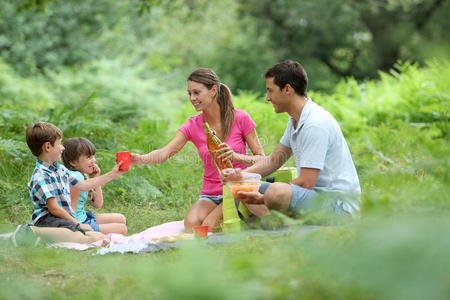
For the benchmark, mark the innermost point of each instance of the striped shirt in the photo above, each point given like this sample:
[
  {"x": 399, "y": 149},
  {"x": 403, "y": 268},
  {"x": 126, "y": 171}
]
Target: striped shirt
[{"x": 49, "y": 181}]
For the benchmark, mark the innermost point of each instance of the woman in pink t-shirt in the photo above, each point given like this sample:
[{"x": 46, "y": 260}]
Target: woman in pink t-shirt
[{"x": 233, "y": 126}]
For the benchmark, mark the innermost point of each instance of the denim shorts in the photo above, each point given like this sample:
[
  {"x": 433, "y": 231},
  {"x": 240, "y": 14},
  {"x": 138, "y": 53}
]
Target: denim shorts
[
  {"x": 304, "y": 199},
  {"x": 90, "y": 220},
  {"x": 214, "y": 199}
]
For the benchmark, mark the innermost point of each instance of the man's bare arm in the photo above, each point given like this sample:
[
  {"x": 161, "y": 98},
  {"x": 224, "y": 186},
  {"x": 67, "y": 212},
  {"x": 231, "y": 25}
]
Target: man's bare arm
[
  {"x": 307, "y": 179},
  {"x": 271, "y": 163}
]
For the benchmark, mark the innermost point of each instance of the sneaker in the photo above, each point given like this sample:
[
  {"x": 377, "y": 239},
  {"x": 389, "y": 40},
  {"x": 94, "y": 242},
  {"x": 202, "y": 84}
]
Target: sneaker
[{"x": 24, "y": 236}]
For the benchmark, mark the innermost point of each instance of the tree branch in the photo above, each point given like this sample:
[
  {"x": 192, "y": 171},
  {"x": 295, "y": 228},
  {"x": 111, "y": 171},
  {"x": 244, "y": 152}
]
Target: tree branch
[
  {"x": 333, "y": 68},
  {"x": 424, "y": 15}
]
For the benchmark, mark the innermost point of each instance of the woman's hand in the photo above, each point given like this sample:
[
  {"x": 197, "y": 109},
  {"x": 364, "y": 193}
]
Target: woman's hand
[
  {"x": 225, "y": 152},
  {"x": 230, "y": 175}
]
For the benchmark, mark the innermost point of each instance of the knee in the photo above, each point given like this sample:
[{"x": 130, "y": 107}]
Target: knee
[
  {"x": 278, "y": 196},
  {"x": 122, "y": 219},
  {"x": 190, "y": 221}
]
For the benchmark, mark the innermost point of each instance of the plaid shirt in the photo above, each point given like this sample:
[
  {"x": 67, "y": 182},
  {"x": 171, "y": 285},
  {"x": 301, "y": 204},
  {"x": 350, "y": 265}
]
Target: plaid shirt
[{"x": 49, "y": 181}]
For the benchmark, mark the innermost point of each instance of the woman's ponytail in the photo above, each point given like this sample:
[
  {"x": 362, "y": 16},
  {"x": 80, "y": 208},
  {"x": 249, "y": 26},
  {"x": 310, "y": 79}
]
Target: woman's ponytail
[
  {"x": 224, "y": 97},
  {"x": 225, "y": 100}
]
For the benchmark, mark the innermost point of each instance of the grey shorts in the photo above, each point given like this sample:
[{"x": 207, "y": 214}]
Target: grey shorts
[
  {"x": 304, "y": 199},
  {"x": 214, "y": 199},
  {"x": 50, "y": 220}
]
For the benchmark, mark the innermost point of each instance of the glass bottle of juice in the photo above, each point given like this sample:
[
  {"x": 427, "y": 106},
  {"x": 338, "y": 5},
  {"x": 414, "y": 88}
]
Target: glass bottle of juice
[{"x": 213, "y": 143}]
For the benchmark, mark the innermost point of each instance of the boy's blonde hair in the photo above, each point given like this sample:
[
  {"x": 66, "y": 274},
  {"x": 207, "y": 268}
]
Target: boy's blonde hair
[{"x": 40, "y": 133}]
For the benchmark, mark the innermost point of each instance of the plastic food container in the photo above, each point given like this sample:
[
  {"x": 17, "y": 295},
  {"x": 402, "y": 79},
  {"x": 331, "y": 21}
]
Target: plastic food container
[{"x": 250, "y": 182}]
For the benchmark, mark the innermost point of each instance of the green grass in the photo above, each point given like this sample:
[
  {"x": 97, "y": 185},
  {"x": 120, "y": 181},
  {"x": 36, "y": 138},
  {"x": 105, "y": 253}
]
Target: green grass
[
  {"x": 401, "y": 258},
  {"x": 396, "y": 128}
]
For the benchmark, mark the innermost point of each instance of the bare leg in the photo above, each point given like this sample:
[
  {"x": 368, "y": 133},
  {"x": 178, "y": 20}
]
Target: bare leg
[
  {"x": 197, "y": 214},
  {"x": 214, "y": 218},
  {"x": 112, "y": 223},
  {"x": 278, "y": 196},
  {"x": 66, "y": 235},
  {"x": 110, "y": 218},
  {"x": 113, "y": 228}
]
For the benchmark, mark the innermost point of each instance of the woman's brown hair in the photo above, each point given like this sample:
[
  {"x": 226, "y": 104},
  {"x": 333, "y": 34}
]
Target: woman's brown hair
[{"x": 224, "y": 98}]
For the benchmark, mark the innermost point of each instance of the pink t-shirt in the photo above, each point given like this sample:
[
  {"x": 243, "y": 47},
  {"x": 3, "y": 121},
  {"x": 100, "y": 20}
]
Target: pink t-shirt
[{"x": 194, "y": 132}]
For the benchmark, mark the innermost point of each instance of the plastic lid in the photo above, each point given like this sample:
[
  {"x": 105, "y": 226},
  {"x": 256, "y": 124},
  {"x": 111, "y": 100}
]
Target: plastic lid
[{"x": 249, "y": 177}]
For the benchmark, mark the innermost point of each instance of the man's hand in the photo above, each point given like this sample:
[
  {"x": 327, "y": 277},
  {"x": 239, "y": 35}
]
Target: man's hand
[{"x": 251, "y": 197}]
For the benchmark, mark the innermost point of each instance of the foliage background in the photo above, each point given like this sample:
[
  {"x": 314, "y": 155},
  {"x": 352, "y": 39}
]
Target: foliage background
[{"x": 115, "y": 71}]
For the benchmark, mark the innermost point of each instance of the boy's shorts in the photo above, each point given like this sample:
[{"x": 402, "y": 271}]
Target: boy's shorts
[
  {"x": 50, "y": 220},
  {"x": 90, "y": 220},
  {"x": 214, "y": 199}
]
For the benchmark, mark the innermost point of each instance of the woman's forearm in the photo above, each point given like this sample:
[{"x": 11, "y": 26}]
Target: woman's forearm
[
  {"x": 248, "y": 160},
  {"x": 160, "y": 155},
  {"x": 155, "y": 157}
]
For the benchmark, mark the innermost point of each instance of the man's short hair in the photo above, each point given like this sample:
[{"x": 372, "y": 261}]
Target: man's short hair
[
  {"x": 289, "y": 72},
  {"x": 40, "y": 133}
]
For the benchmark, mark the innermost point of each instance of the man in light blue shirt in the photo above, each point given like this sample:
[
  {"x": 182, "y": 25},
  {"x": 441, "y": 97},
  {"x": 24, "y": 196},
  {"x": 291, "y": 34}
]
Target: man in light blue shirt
[{"x": 327, "y": 176}]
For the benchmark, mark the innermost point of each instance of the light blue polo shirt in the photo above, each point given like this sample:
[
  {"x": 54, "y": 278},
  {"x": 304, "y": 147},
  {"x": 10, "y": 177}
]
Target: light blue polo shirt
[{"x": 318, "y": 143}]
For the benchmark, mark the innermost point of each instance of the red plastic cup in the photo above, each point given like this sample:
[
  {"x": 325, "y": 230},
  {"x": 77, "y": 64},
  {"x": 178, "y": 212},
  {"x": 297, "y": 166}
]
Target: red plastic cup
[
  {"x": 126, "y": 158},
  {"x": 200, "y": 231}
]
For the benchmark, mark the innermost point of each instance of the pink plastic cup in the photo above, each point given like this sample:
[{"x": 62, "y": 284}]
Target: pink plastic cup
[
  {"x": 125, "y": 157},
  {"x": 200, "y": 231}
]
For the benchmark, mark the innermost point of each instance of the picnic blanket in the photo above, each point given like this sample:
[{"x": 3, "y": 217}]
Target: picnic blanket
[
  {"x": 169, "y": 235},
  {"x": 153, "y": 239},
  {"x": 141, "y": 244}
]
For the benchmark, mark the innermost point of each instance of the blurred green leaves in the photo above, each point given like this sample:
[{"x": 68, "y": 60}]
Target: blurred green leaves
[{"x": 238, "y": 39}]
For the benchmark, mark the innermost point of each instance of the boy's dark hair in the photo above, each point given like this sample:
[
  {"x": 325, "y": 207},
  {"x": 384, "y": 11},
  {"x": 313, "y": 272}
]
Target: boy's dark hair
[
  {"x": 40, "y": 133},
  {"x": 74, "y": 148},
  {"x": 290, "y": 72}
]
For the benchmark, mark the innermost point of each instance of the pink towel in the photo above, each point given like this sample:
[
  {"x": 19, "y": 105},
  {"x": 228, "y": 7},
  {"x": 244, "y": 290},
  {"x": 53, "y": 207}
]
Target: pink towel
[{"x": 159, "y": 231}]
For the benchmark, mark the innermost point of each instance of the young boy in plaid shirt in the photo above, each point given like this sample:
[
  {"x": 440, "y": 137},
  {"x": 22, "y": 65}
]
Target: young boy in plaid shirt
[{"x": 49, "y": 187}]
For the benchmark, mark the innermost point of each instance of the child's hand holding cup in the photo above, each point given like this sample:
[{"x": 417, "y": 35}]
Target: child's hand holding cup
[{"x": 125, "y": 158}]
